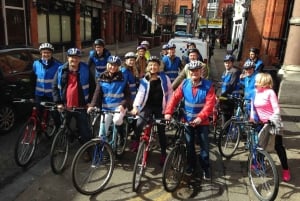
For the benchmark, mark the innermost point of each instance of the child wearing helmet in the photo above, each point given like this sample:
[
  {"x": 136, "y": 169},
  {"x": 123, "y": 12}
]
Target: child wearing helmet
[
  {"x": 147, "y": 45},
  {"x": 141, "y": 60},
  {"x": 153, "y": 94},
  {"x": 97, "y": 59}
]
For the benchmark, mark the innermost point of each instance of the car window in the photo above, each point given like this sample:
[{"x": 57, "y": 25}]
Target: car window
[{"x": 15, "y": 62}]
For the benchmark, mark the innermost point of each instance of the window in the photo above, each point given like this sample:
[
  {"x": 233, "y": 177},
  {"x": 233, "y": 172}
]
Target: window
[
  {"x": 182, "y": 10},
  {"x": 54, "y": 29},
  {"x": 166, "y": 9}
]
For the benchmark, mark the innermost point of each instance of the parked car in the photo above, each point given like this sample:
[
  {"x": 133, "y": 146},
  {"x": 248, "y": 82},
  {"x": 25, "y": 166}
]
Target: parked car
[
  {"x": 16, "y": 68},
  {"x": 183, "y": 34}
]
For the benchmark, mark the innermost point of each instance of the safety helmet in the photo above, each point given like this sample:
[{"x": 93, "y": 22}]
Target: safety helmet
[
  {"x": 194, "y": 65},
  {"x": 100, "y": 42},
  {"x": 114, "y": 60},
  {"x": 155, "y": 59},
  {"x": 130, "y": 55},
  {"x": 165, "y": 47},
  {"x": 229, "y": 57},
  {"x": 74, "y": 52},
  {"x": 144, "y": 42},
  {"x": 170, "y": 46},
  {"x": 193, "y": 50},
  {"x": 141, "y": 47},
  {"x": 46, "y": 46},
  {"x": 190, "y": 43},
  {"x": 254, "y": 50},
  {"x": 248, "y": 64}
]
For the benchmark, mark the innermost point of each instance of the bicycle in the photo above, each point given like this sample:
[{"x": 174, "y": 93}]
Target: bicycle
[
  {"x": 230, "y": 135},
  {"x": 174, "y": 166},
  {"x": 147, "y": 139},
  {"x": 262, "y": 172},
  {"x": 32, "y": 129},
  {"x": 60, "y": 146},
  {"x": 90, "y": 177}
]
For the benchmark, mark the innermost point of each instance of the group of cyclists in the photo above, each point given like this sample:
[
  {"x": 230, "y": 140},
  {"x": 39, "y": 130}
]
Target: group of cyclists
[{"x": 147, "y": 85}]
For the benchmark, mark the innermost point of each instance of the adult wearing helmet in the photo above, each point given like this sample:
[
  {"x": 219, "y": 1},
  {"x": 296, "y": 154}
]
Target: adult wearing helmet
[
  {"x": 112, "y": 93},
  {"x": 193, "y": 55},
  {"x": 230, "y": 84},
  {"x": 141, "y": 60},
  {"x": 254, "y": 57},
  {"x": 153, "y": 94},
  {"x": 130, "y": 72},
  {"x": 172, "y": 63},
  {"x": 247, "y": 79},
  {"x": 73, "y": 86},
  {"x": 146, "y": 44},
  {"x": 98, "y": 57},
  {"x": 190, "y": 46},
  {"x": 198, "y": 95},
  {"x": 164, "y": 51},
  {"x": 43, "y": 72}
]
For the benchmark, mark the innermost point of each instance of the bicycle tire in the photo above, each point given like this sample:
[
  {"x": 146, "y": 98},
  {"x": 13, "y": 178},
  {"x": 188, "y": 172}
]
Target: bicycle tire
[
  {"x": 26, "y": 143},
  {"x": 218, "y": 125},
  {"x": 51, "y": 127},
  {"x": 139, "y": 167},
  {"x": 174, "y": 167},
  {"x": 229, "y": 139},
  {"x": 90, "y": 177},
  {"x": 121, "y": 140},
  {"x": 263, "y": 176},
  {"x": 59, "y": 151}
]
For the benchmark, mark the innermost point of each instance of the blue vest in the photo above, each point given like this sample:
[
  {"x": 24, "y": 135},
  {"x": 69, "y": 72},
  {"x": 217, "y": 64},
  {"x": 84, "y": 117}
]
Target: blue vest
[
  {"x": 226, "y": 78},
  {"x": 194, "y": 104},
  {"x": 113, "y": 94},
  {"x": 44, "y": 77},
  {"x": 172, "y": 67},
  {"x": 249, "y": 86},
  {"x": 100, "y": 62},
  {"x": 83, "y": 78},
  {"x": 130, "y": 79}
]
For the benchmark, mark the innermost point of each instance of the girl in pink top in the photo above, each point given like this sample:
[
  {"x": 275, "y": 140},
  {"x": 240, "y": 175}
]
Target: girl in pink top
[{"x": 267, "y": 108}]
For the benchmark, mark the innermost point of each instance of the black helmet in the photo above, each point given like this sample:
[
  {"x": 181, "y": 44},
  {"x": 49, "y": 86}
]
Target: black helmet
[
  {"x": 114, "y": 59},
  {"x": 194, "y": 65},
  {"x": 100, "y": 42},
  {"x": 254, "y": 50},
  {"x": 190, "y": 43},
  {"x": 248, "y": 64},
  {"x": 155, "y": 59},
  {"x": 193, "y": 50}
]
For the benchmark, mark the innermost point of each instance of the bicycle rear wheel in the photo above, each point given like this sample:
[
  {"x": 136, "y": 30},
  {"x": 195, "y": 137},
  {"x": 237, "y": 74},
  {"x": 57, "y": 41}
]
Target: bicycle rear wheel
[
  {"x": 139, "y": 166},
  {"x": 59, "y": 151},
  {"x": 218, "y": 123},
  {"x": 26, "y": 143},
  {"x": 51, "y": 128},
  {"x": 174, "y": 167},
  {"x": 229, "y": 139},
  {"x": 91, "y": 175},
  {"x": 263, "y": 175}
]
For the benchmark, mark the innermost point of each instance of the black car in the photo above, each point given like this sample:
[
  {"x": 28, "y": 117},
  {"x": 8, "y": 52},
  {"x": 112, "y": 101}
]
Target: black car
[{"x": 15, "y": 71}]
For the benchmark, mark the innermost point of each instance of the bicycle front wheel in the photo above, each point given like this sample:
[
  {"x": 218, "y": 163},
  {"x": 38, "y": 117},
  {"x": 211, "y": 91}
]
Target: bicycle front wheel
[
  {"x": 92, "y": 167},
  {"x": 26, "y": 143},
  {"x": 229, "y": 139},
  {"x": 263, "y": 175},
  {"x": 174, "y": 167},
  {"x": 139, "y": 166},
  {"x": 59, "y": 151}
]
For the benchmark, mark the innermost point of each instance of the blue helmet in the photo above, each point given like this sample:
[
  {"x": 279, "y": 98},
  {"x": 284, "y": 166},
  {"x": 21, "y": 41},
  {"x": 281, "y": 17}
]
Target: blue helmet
[
  {"x": 229, "y": 57},
  {"x": 74, "y": 52},
  {"x": 194, "y": 65},
  {"x": 114, "y": 60}
]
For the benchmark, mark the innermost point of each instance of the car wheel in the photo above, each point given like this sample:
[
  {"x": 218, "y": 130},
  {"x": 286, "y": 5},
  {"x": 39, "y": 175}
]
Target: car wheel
[{"x": 7, "y": 118}]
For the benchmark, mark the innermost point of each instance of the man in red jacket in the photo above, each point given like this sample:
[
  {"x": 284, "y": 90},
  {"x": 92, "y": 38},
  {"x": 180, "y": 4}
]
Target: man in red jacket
[{"x": 198, "y": 97}]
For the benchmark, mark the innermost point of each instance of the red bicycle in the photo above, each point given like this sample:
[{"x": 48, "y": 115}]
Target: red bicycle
[
  {"x": 147, "y": 139},
  {"x": 31, "y": 131}
]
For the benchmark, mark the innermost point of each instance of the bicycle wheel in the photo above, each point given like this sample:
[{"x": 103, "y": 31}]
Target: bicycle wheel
[
  {"x": 263, "y": 175},
  {"x": 139, "y": 166},
  {"x": 91, "y": 175},
  {"x": 26, "y": 143},
  {"x": 59, "y": 151},
  {"x": 121, "y": 139},
  {"x": 218, "y": 123},
  {"x": 174, "y": 167},
  {"x": 51, "y": 128},
  {"x": 229, "y": 139}
]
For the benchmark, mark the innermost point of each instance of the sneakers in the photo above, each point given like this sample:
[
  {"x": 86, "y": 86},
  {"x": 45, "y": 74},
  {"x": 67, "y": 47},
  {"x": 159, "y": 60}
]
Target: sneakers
[
  {"x": 134, "y": 146},
  {"x": 206, "y": 175},
  {"x": 162, "y": 160},
  {"x": 286, "y": 175}
]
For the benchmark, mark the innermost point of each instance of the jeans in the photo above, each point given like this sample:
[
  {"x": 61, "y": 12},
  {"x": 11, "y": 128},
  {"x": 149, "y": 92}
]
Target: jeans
[{"x": 202, "y": 133}]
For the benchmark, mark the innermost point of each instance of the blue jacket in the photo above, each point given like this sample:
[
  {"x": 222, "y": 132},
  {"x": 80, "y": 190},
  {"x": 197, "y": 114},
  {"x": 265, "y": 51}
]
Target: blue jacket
[
  {"x": 171, "y": 67},
  {"x": 249, "y": 85},
  {"x": 44, "y": 75},
  {"x": 131, "y": 80}
]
